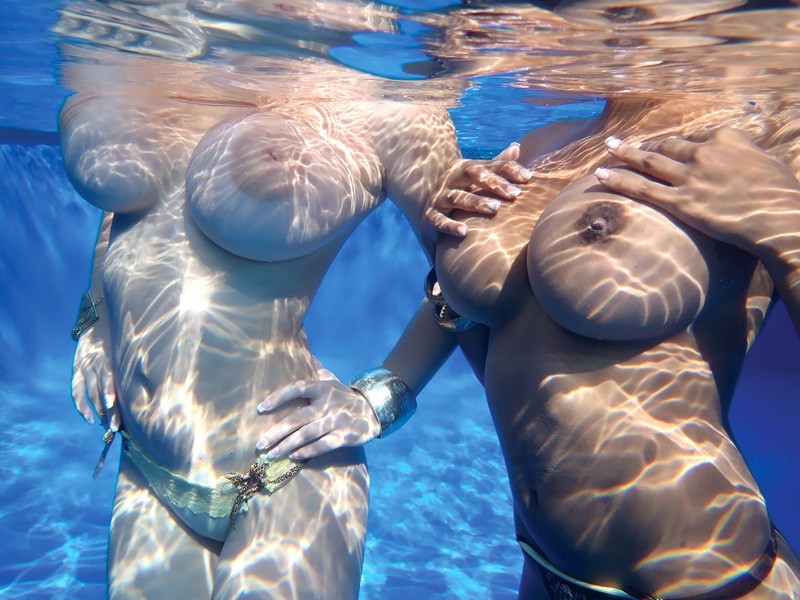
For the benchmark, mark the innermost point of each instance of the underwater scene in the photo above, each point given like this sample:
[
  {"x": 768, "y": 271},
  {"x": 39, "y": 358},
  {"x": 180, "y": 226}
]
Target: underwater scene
[{"x": 173, "y": 105}]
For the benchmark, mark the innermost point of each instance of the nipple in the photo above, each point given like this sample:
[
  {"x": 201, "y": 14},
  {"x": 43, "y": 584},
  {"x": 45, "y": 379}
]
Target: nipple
[
  {"x": 627, "y": 14},
  {"x": 599, "y": 221},
  {"x": 599, "y": 224}
]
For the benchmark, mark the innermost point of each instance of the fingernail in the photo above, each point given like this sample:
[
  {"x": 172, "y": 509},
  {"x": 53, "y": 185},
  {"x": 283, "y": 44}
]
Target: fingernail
[
  {"x": 462, "y": 230},
  {"x": 613, "y": 143},
  {"x": 526, "y": 173},
  {"x": 89, "y": 419},
  {"x": 602, "y": 174},
  {"x": 261, "y": 444},
  {"x": 513, "y": 190},
  {"x": 493, "y": 205},
  {"x": 636, "y": 145},
  {"x": 273, "y": 454},
  {"x": 263, "y": 407}
]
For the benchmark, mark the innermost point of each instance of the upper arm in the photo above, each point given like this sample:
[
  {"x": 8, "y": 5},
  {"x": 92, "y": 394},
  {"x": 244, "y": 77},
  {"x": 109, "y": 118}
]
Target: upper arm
[{"x": 416, "y": 145}]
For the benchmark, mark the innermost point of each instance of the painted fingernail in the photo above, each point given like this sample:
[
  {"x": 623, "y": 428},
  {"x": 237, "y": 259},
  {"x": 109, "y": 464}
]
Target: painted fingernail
[
  {"x": 274, "y": 453},
  {"x": 613, "y": 142},
  {"x": 636, "y": 145},
  {"x": 493, "y": 205},
  {"x": 462, "y": 230},
  {"x": 262, "y": 443},
  {"x": 602, "y": 174},
  {"x": 526, "y": 173},
  {"x": 263, "y": 407},
  {"x": 513, "y": 191}
]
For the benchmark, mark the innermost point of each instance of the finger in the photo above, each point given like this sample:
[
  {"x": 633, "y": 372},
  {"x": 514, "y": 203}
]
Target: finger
[
  {"x": 651, "y": 163},
  {"x": 110, "y": 400},
  {"x": 636, "y": 186},
  {"x": 474, "y": 203},
  {"x": 675, "y": 148},
  {"x": 95, "y": 393},
  {"x": 513, "y": 171},
  {"x": 510, "y": 153},
  {"x": 299, "y": 419},
  {"x": 79, "y": 396},
  {"x": 302, "y": 437},
  {"x": 485, "y": 179},
  {"x": 284, "y": 395},
  {"x": 115, "y": 421},
  {"x": 446, "y": 225}
]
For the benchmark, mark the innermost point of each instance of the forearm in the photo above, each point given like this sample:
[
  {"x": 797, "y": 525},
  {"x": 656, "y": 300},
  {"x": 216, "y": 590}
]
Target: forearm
[
  {"x": 421, "y": 350},
  {"x": 780, "y": 254}
]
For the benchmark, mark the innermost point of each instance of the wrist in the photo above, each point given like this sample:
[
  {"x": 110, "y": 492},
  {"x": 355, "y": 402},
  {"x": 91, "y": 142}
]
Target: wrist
[{"x": 390, "y": 398}]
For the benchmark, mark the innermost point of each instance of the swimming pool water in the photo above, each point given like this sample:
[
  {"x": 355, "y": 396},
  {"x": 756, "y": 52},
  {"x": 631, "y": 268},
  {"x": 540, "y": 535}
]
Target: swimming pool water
[{"x": 440, "y": 522}]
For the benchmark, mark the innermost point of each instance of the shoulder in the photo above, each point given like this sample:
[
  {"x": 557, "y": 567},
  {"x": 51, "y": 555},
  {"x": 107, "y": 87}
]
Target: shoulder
[{"x": 548, "y": 138}]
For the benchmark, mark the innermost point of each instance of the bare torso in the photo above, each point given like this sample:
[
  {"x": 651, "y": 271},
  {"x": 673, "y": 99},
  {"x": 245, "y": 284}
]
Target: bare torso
[
  {"x": 616, "y": 337},
  {"x": 203, "y": 334},
  {"x": 226, "y": 219}
]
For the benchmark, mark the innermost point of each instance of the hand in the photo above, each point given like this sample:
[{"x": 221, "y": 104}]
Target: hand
[
  {"x": 724, "y": 186},
  {"x": 93, "y": 384},
  {"x": 466, "y": 184},
  {"x": 336, "y": 416}
]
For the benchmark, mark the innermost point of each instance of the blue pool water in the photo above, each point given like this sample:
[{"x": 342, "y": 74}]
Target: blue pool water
[{"x": 440, "y": 523}]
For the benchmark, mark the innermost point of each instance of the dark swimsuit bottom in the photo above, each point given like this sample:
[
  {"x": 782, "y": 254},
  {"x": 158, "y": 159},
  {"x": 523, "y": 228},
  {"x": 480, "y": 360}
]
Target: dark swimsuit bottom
[{"x": 560, "y": 588}]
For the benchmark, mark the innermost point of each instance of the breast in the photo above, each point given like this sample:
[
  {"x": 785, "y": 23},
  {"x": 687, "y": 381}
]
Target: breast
[
  {"x": 269, "y": 188},
  {"x": 116, "y": 155},
  {"x": 610, "y": 268}
]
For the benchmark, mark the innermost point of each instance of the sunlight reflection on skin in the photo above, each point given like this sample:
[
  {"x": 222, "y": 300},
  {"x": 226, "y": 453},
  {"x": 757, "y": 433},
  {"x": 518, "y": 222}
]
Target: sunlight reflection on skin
[
  {"x": 622, "y": 469},
  {"x": 599, "y": 416},
  {"x": 620, "y": 443},
  {"x": 233, "y": 186},
  {"x": 607, "y": 281}
]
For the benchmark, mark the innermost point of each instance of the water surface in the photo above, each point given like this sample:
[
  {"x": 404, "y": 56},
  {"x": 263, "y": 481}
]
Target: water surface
[{"x": 440, "y": 523}]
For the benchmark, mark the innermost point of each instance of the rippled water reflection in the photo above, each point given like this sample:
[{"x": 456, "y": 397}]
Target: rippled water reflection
[{"x": 197, "y": 63}]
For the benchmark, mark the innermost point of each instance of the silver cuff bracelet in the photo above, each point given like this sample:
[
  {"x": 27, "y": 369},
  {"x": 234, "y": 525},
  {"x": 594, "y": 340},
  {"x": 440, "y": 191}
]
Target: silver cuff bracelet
[{"x": 388, "y": 395}]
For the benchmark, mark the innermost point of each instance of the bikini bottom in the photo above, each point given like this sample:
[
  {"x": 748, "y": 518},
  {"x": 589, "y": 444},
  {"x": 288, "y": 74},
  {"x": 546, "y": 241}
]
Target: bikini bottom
[
  {"x": 561, "y": 586},
  {"x": 211, "y": 510}
]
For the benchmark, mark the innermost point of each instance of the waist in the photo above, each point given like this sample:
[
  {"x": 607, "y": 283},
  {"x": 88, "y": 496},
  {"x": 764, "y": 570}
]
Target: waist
[
  {"x": 620, "y": 471},
  {"x": 211, "y": 509},
  {"x": 205, "y": 421},
  {"x": 560, "y": 584}
]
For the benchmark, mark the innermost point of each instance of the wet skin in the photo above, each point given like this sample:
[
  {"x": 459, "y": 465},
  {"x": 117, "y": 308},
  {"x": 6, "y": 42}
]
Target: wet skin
[
  {"x": 226, "y": 219},
  {"x": 615, "y": 336}
]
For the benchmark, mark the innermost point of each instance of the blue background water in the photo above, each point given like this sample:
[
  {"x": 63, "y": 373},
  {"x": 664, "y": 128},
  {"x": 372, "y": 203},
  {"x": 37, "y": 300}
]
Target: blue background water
[{"x": 440, "y": 524}]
